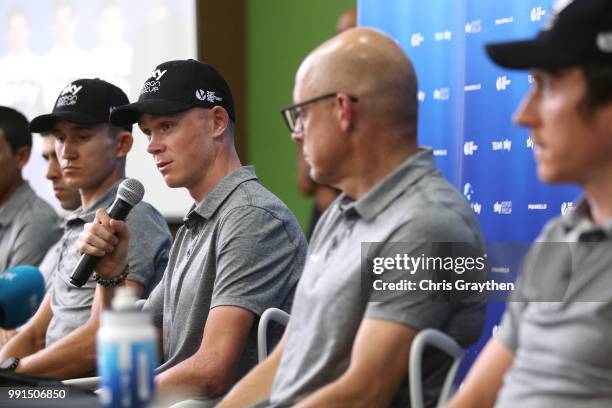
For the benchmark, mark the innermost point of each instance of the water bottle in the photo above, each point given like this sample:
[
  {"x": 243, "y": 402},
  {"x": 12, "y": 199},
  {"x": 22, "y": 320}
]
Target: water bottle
[{"x": 127, "y": 354}]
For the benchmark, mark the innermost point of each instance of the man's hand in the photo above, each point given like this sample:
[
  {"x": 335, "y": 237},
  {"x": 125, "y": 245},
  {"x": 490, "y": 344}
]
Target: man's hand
[{"x": 108, "y": 239}]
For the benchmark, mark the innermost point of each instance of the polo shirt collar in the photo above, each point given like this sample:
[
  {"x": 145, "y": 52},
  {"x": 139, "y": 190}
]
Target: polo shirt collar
[
  {"x": 579, "y": 221},
  {"x": 89, "y": 214},
  {"x": 15, "y": 203},
  {"x": 390, "y": 187},
  {"x": 207, "y": 208}
]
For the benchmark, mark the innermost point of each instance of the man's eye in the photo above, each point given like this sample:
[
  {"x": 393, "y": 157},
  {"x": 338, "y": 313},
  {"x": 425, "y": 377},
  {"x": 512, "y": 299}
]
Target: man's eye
[{"x": 167, "y": 126}]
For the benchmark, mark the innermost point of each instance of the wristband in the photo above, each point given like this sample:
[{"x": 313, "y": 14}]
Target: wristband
[{"x": 114, "y": 281}]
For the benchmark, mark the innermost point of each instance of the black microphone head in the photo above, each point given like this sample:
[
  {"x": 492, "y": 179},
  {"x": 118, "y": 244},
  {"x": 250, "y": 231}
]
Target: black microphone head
[{"x": 131, "y": 191}]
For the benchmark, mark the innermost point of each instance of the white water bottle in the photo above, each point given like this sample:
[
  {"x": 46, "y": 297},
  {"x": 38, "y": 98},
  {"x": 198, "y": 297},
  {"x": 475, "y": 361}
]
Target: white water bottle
[{"x": 127, "y": 354}]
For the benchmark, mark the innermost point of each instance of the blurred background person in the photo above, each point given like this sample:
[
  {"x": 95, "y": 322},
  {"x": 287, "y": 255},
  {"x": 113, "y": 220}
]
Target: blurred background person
[
  {"x": 20, "y": 67},
  {"x": 66, "y": 60},
  {"x": 111, "y": 58}
]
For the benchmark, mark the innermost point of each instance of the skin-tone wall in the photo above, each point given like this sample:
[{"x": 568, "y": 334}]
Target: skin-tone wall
[{"x": 279, "y": 35}]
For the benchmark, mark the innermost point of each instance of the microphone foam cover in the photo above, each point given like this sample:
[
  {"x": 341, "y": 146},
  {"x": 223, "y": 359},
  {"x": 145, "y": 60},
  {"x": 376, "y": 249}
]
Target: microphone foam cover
[{"x": 131, "y": 191}]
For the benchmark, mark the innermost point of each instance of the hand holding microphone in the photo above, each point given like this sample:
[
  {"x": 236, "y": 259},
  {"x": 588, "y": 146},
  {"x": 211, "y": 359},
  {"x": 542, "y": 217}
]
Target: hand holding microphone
[{"x": 104, "y": 242}]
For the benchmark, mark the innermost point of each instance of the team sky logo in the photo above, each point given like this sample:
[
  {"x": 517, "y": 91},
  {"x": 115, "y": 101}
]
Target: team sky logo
[
  {"x": 417, "y": 39},
  {"x": 502, "y": 207},
  {"x": 530, "y": 144},
  {"x": 537, "y": 13},
  {"x": 69, "y": 95},
  {"x": 443, "y": 36},
  {"x": 421, "y": 96},
  {"x": 500, "y": 145},
  {"x": 469, "y": 148},
  {"x": 153, "y": 84},
  {"x": 158, "y": 74},
  {"x": 207, "y": 96}
]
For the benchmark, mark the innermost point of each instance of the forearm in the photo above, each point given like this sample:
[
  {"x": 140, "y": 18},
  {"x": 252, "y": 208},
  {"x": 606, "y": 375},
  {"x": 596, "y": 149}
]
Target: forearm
[
  {"x": 485, "y": 378},
  {"x": 196, "y": 377},
  {"x": 6, "y": 336},
  {"x": 72, "y": 356},
  {"x": 345, "y": 392},
  {"x": 256, "y": 386},
  {"x": 21, "y": 345}
]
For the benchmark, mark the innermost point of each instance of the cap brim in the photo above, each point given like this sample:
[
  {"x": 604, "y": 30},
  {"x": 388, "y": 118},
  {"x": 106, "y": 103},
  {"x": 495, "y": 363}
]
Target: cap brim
[
  {"x": 528, "y": 54},
  {"x": 46, "y": 123},
  {"x": 129, "y": 114}
]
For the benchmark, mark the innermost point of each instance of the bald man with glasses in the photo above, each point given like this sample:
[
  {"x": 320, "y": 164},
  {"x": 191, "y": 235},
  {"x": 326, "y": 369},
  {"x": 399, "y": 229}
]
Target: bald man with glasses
[{"x": 347, "y": 344}]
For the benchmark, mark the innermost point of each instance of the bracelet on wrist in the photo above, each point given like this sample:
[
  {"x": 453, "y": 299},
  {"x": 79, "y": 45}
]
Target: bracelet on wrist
[{"x": 114, "y": 281}]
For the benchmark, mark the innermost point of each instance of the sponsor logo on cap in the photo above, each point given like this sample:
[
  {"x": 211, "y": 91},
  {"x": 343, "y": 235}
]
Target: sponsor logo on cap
[
  {"x": 208, "y": 96},
  {"x": 158, "y": 74},
  {"x": 604, "y": 42},
  {"x": 68, "y": 96}
]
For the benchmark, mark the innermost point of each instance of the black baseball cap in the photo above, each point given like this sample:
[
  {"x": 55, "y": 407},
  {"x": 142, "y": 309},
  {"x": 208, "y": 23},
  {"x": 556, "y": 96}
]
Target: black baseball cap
[
  {"x": 579, "y": 32},
  {"x": 84, "y": 101},
  {"x": 176, "y": 86}
]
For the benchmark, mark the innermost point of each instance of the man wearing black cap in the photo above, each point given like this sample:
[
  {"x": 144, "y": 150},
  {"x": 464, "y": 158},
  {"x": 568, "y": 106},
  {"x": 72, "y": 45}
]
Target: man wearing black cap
[
  {"x": 553, "y": 346},
  {"x": 59, "y": 340},
  {"x": 240, "y": 251}
]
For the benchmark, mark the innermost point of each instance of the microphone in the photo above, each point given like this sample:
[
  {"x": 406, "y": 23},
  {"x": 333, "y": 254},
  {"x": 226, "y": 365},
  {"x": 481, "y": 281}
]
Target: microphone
[
  {"x": 129, "y": 194},
  {"x": 22, "y": 289}
]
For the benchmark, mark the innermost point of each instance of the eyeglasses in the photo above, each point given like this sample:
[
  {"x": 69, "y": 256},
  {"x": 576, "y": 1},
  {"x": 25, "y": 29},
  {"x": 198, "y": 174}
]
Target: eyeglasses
[{"x": 292, "y": 114}]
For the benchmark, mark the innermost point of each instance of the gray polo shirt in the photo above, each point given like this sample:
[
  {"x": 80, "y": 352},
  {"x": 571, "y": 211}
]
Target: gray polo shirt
[
  {"x": 413, "y": 204},
  {"x": 559, "y": 322},
  {"x": 241, "y": 246},
  {"x": 28, "y": 228},
  {"x": 148, "y": 250}
]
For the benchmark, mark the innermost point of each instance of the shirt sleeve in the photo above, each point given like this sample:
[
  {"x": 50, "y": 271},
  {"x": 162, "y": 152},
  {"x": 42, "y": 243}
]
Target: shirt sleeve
[
  {"x": 149, "y": 246},
  {"x": 434, "y": 235},
  {"x": 34, "y": 239},
  {"x": 259, "y": 259},
  {"x": 155, "y": 305}
]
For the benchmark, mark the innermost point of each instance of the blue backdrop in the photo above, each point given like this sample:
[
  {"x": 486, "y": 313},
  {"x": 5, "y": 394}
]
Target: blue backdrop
[{"x": 466, "y": 108}]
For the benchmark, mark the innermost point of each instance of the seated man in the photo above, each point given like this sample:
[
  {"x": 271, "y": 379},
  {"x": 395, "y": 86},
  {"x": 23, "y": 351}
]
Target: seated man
[
  {"x": 69, "y": 200},
  {"x": 240, "y": 251},
  {"x": 553, "y": 348},
  {"x": 59, "y": 340},
  {"x": 347, "y": 343},
  {"x": 28, "y": 225}
]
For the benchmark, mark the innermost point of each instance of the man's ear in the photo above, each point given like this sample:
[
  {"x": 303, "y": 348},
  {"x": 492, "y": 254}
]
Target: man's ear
[
  {"x": 23, "y": 155},
  {"x": 345, "y": 111},
  {"x": 124, "y": 143},
  {"x": 220, "y": 120}
]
